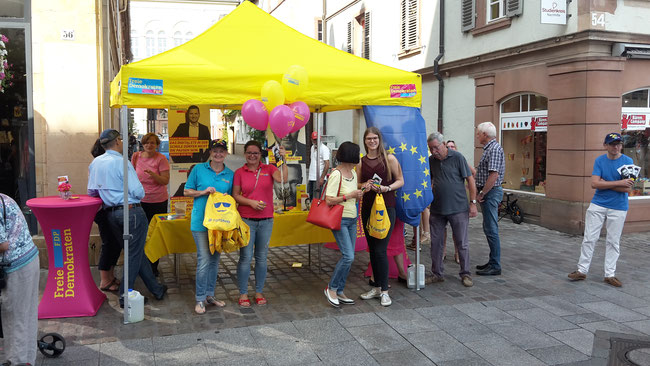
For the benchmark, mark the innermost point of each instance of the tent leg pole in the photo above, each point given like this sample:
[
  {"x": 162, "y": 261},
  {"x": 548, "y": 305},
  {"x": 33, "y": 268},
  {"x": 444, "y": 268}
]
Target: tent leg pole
[
  {"x": 124, "y": 118},
  {"x": 417, "y": 258}
]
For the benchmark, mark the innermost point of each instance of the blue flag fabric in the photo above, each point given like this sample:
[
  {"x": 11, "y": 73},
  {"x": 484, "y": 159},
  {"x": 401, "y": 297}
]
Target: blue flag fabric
[{"x": 405, "y": 135}]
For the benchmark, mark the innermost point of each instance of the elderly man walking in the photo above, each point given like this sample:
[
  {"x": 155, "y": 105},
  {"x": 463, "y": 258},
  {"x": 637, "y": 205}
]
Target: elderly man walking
[
  {"x": 449, "y": 173},
  {"x": 489, "y": 176},
  {"x": 106, "y": 181}
]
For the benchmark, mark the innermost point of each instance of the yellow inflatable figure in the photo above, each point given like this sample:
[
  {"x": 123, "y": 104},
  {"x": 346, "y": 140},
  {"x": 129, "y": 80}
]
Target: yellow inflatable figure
[{"x": 227, "y": 232}]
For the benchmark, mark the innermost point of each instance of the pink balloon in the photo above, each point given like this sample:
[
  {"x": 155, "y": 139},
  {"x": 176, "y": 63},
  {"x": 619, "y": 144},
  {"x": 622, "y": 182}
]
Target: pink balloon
[
  {"x": 255, "y": 114},
  {"x": 281, "y": 120},
  {"x": 300, "y": 114}
]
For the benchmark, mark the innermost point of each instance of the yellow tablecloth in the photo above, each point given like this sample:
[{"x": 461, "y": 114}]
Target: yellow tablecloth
[{"x": 174, "y": 236}]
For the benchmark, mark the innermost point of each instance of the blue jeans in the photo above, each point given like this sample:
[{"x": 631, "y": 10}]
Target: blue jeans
[
  {"x": 490, "y": 210},
  {"x": 138, "y": 262},
  {"x": 346, "y": 239},
  {"x": 207, "y": 266},
  {"x": 258, "y": 243}
]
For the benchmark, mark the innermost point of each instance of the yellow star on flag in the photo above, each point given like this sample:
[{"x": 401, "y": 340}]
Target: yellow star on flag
[
  {"x": 414, "y": 150},
  {"x": 403, "y": 146},
  {"x": 391, "y": 150},
  {"x": 424, "y": 183},
  {"x": 406, "y": 197},
  {"x": 418, "y": 193},
  {"x": 426, "y": 171},
  {"x": 422, "y": 159}
]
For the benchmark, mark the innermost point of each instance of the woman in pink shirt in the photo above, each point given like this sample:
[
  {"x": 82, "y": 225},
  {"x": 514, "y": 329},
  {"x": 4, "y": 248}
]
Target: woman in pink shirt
[
  {"x": 153, "y": 171},
  {"x": 253, "y": 190}
]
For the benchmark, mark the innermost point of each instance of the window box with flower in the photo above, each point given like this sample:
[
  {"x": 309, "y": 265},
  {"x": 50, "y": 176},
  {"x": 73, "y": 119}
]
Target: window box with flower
[{"x": 6, "y": 75}]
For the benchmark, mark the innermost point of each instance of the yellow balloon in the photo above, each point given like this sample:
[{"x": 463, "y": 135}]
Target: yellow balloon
[
  {"x": 272, "y": 94},
  {"x": 294, "y": 82}
]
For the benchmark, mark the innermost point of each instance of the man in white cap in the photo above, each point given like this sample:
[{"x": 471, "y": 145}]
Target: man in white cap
[
  {"x": 317, "y": 174},
  {"x": 106, "y": 181}
]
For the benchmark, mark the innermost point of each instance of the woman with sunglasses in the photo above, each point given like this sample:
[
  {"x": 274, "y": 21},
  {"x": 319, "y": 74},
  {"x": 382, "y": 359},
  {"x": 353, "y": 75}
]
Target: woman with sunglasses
[
  {"x": 253, "y": 191},
  {"x": 206, "y": 178},
  {"x": 381, "y": 173}
]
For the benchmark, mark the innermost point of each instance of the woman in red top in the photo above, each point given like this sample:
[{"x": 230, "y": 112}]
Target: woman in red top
[
  {"x": 378, "y": 165},
  {"x": 253, "y": 191}
]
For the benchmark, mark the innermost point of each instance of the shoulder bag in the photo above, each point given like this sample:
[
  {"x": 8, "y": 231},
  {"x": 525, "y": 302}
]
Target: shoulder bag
[{"x": 323, "y": 215}]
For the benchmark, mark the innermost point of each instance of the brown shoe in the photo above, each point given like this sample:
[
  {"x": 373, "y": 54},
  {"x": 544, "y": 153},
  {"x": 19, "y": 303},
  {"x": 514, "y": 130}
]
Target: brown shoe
[
  {"x": 433, "y": 279},
  {"x": 577, "y": 276},
  {"x": 613, "y": 281},
  {"x": 467, "y": 281}
]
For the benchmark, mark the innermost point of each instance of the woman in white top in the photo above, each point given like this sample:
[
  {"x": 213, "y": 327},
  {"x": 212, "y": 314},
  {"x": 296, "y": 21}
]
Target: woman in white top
[{"x": 342, "y": 190}]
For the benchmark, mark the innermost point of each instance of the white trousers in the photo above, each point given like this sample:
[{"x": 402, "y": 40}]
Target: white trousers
[
  {"x": 594, "y": 219},
  {"x": 20, "y": 314}
]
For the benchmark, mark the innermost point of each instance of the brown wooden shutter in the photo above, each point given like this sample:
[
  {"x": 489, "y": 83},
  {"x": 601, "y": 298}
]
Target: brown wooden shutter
[
  {"x": 467, "y": 15},
  {"x": 349, "y": 43},
  {"x": 366, "y": 36},
  {"x": 514, "y": 7}
]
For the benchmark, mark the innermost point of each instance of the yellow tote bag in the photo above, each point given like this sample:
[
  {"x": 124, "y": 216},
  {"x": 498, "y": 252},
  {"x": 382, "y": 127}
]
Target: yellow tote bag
[{"x": 378, "y": 223}]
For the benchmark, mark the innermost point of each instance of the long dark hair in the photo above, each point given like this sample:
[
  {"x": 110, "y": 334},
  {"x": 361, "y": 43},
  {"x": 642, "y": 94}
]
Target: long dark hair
[{"x": 97, "y": 149}]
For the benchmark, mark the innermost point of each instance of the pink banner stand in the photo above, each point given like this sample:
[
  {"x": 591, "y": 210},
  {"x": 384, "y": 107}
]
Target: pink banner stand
[{"x": 70, "y": 290}]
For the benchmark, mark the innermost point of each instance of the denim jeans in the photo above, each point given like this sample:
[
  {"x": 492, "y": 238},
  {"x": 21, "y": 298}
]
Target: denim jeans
[
  {"x": 138, "y": 262},
  {"x": 346, "y": 239},
  {"x": 259, "y": 244},
  {"x": 490, "y": 210},
  {"x": 207, "y": 266}
]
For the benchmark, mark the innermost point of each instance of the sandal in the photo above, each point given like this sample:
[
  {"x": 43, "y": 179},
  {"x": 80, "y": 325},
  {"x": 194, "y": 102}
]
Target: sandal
[
  {"x": 199, "y": 308},
  {"x": 245, "y": 303},
  {"x": 210, "y": 300},
  {"x": 113, "y": 286},
  {"x": 261, "y": 301}
]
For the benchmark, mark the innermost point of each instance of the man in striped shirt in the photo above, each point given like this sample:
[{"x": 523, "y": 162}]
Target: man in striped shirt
[{"x": 489, "y": 176}]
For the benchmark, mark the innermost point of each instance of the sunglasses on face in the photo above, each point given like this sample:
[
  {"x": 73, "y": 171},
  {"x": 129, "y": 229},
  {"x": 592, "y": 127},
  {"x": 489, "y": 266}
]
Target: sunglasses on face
[{"x": 224, "y": 204}]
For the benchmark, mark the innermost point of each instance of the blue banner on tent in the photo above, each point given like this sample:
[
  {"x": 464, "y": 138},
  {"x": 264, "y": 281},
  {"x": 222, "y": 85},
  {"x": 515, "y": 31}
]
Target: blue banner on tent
[{"x": 405, "y": 136}]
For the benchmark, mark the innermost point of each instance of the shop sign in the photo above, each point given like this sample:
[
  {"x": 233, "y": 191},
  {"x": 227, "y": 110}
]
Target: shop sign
[
  {"x": 634, "y": 122},
  {"x": 553, "y": 12},
  {"x": 539, "y": 124},
  {"x": 145, "y": 86}
]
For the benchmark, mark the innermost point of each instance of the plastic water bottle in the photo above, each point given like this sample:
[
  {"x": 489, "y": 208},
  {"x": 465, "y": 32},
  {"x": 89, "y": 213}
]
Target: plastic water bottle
[
  {"x": 411, "y": 276},
  {"x": 135, "y": 310}
]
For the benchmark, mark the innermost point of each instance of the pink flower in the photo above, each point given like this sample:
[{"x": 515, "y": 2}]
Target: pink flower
[
  {"x": 3, "y": 38},
  {"x": 2, "y": 75}
]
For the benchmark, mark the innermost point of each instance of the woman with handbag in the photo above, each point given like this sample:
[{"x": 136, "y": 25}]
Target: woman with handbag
[
  {"x": 381, "y": 173},
  {"x": 253, "y": 191},
  {"x": 205, "y": 179},
  {"x": 342, "y": 189}
]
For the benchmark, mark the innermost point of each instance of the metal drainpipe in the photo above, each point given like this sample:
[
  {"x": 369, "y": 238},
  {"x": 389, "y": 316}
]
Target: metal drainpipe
[{"x": 436, "y": 65}]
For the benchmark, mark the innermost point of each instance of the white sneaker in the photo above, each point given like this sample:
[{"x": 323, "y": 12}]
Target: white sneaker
[
  {"x": 372, "y": 294},
  {"x": 385, "y": 299}
]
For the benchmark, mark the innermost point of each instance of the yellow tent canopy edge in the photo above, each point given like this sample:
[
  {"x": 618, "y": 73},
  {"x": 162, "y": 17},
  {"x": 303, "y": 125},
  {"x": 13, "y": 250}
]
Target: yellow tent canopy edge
[{"x": 228, "y": 64}]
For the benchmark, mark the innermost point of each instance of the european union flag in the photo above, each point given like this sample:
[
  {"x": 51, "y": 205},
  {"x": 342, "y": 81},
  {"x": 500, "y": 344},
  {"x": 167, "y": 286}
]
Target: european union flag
[{"x": 405, "y": 136}]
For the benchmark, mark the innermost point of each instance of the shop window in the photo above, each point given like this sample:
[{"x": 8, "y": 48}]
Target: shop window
[
  {"x": 635, "y": 128},
  {"x": 524, "y": 123}
]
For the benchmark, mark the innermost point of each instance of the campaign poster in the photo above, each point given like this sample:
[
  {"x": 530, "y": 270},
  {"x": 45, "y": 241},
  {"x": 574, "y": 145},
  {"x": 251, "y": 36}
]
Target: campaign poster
[
  {"x": 190, "y": 133},
  {"x": 296, "y": 159},
  {"x": 177, "y": 179}
]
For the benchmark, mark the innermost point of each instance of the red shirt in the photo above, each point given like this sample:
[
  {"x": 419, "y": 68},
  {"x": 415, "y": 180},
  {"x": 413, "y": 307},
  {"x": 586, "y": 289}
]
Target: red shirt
[{"x": 246, "y": 179}]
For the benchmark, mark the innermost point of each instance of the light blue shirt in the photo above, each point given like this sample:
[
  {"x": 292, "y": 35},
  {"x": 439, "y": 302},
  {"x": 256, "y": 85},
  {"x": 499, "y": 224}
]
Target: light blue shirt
[
  {"x": 202, "y": 177},
  {"x": 106, "y": 180}
]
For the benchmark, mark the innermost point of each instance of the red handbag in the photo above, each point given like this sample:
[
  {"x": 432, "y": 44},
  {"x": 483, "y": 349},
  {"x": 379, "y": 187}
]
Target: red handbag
[{"x": 323, "y": 215}]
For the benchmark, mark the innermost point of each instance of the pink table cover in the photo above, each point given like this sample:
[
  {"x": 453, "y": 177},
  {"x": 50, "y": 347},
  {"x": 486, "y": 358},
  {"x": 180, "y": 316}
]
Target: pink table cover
[{"x": 70, "y": 290}]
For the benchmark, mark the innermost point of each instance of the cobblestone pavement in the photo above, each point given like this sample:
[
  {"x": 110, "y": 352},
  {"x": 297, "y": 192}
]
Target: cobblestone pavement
[{"x": 530, "y": 315}]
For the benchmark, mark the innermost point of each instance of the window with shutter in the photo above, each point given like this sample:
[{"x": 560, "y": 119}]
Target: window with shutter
[
  {"x": 366, "y": 36},
  {"x": 349, "y": 41},
  {"x": 468, "y": 16},
  {"x": 496, "y": 9},
  {"x": 410, "y": 24},
  {"x": 514, "y": 7}
]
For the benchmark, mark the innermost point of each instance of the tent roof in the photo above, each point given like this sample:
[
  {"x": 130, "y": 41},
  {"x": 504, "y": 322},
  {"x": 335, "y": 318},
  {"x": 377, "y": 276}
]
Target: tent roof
[{"x": 228, "y": 64}]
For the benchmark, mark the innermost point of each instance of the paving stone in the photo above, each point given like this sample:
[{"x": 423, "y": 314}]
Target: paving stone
[
  {"x": 229, "y": 343},
  {"x": 469, "y": 332},
  {"x": 483, "y": 314},
  {"x": 439, "y": 346},
  {"x": 379, "y": 338},
  {"x": 86, "y": 353},
  {"x": 136, "y": 351},
  {"x": 609, "y": 326},
  {"x": 411, "y": 356},
  {"x": 278, "y": 351},
  {"x": 322, "y": 330},
  {"x": 642, "y": 326},
  {"x": 580, "y": 339},
  {"x": 438, "y": 312},
  {"x": 498, "y": 351},
  {"x": 357, "y": 320},
  {"x": 613, "y": 311},
  {"x": 510, "y": 304},
  {"x": 584, "y": 318},
  {"x": 617, "y": 297},
  {"x": 542, "y": 320},
  {"x": 523, "y": 335},
  {"x": 343, "y": 353},
  {"x": 558, "y": 355},
  {"x": 643, "y": 310},
  {"x": 407, "y": 321},
  {"x": 277, "y": 330},
  {"x": 556, "y": 306},
  {"x": 247, "y": 360}
]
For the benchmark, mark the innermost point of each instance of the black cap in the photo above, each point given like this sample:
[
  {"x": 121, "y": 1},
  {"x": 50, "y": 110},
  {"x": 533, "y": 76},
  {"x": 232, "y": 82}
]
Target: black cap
[
  {"x": 218, "y": 143},
  {"x": 613, "y": 137},
  {"x": 108, "y": 136}
]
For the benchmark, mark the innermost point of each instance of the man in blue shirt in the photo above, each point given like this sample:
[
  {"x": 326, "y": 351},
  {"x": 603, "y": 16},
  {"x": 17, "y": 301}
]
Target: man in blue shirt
[
  {"x": 609, "y": 202},
  {"x": 106, "y": 180}
]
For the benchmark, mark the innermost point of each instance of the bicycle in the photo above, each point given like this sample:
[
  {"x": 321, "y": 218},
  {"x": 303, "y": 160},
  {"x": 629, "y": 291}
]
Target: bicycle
[{"x": 506, "y": 207}]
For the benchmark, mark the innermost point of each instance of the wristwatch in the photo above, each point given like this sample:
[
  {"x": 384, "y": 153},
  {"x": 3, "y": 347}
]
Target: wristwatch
[{"x": 472, "y": 201}]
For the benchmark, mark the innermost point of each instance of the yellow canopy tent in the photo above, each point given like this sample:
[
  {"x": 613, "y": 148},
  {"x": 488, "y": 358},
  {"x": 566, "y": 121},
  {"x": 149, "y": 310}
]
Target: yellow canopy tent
[{"x": 228, "y": 64}]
